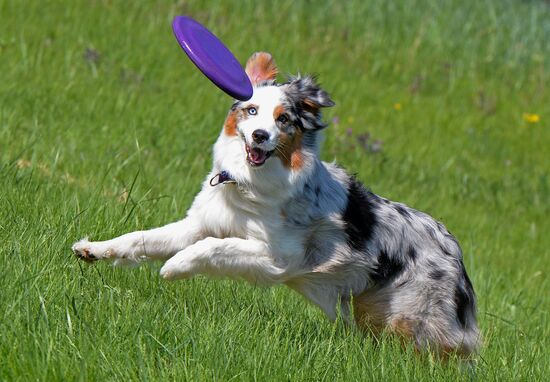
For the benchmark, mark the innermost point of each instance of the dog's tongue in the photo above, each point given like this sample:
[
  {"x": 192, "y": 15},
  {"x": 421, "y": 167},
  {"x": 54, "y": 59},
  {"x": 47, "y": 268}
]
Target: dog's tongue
[{"x": 257, "y": 156}]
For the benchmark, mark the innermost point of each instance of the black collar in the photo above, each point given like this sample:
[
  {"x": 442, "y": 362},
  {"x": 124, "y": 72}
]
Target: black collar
[{"x": 222, "y": 177}]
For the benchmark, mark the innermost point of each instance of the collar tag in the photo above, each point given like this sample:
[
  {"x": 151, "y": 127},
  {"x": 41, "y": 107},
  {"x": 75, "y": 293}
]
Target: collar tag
[{"x": 223, "y": 178}]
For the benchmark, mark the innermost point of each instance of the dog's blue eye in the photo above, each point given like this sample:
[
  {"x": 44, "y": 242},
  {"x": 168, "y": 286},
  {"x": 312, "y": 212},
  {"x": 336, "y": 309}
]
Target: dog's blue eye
[{"x": 252, "y": 111}]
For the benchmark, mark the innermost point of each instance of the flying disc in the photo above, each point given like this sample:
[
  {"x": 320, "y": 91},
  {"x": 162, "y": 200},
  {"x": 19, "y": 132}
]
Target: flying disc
[{"x": 212, "y": 57}]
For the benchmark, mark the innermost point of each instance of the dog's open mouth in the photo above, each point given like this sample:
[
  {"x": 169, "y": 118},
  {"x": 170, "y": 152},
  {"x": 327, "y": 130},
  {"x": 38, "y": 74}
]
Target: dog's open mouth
[{"x": 256, "y": 156}]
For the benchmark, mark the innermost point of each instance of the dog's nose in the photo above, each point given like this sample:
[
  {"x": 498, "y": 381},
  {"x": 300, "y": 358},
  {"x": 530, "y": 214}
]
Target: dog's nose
[{"x": 260, "y": 136}]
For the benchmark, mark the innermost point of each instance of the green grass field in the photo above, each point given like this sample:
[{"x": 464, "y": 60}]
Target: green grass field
[{"x": 106, "y": 127}]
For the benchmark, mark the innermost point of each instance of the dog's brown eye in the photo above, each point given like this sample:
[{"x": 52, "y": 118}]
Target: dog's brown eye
[
  {"x": 252, "y": 111},
  {"x": 282, "y": 119}
]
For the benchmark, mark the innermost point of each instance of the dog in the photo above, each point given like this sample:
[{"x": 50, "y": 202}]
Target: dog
[{"x": 272, "y": 212}]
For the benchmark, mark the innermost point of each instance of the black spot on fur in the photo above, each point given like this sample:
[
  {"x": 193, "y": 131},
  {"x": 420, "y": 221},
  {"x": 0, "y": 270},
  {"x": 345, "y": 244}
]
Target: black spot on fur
[
  {"x": 461, "y": 301},
  {"x": 464, "y": 297},
  {"x": 402, "y": 211},
  {"x": 412, "y": 254},
  {"x": 387, "y": 269},
  {"x": 436, "y": 274},
  {"x": 359, "y": 215},
  {"x": 431, "y": 264}
]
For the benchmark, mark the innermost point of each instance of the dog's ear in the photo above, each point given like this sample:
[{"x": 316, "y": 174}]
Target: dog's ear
[
  {"x": 308, "y": 98},
  {"x": 308, "y": 93},
  {"x": 261, "y": 67}
]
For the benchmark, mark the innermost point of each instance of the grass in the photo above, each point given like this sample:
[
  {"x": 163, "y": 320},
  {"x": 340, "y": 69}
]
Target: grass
[{"x": 105, "y": 127}]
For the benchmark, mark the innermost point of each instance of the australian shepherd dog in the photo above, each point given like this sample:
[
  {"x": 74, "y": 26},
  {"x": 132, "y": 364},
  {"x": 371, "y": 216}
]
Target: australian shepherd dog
[{"x": 271, "y": 212}]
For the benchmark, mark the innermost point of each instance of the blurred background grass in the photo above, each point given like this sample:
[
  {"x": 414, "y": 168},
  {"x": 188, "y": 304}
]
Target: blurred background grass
[{"x": 106, "y": 127}]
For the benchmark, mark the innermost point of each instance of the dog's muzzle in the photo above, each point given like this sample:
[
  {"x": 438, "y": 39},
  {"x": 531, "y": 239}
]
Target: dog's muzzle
[{"x": 256, "y": 156}]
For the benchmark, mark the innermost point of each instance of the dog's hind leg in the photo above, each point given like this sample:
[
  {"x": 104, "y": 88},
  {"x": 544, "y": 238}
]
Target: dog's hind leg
[
  {"x": 230, "y": 257},
  {"x": 155, "y": 244},
  {"x": 325, "y": 296}
]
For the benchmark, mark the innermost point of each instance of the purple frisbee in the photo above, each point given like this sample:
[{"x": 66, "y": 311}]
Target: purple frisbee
[{"x": 212, "y": 57}]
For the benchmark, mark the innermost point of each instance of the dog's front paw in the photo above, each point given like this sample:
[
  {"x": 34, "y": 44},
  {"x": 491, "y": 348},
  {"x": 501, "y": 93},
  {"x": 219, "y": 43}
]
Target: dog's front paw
[
  {"x": 177, "y": 268},
  {"x": 88, "y": 251}
]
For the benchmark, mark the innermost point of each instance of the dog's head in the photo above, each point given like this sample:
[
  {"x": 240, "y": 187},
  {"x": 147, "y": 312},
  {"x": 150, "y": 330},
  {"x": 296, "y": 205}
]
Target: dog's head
[{"x": 280, "y": 120}]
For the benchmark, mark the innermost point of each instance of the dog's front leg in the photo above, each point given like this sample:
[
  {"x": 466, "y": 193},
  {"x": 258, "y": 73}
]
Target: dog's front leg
[
  {"x": 154, "y": 244},
  {"x": 232, "y": 257}
]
